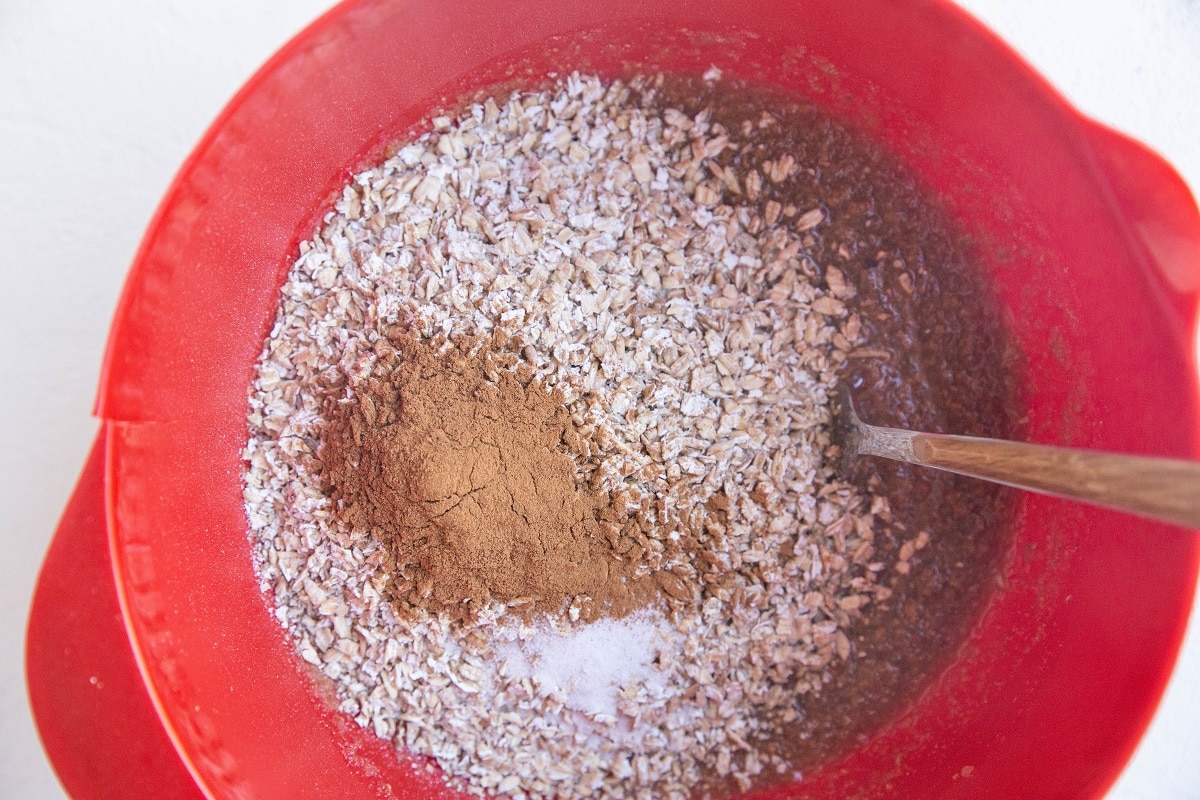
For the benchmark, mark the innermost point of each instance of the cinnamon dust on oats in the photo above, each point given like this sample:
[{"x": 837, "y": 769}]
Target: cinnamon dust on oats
[{"x": 465, "y": 467}]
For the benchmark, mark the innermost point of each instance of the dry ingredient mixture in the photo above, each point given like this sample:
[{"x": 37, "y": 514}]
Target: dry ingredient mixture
[{"x": 538, "y": 473}]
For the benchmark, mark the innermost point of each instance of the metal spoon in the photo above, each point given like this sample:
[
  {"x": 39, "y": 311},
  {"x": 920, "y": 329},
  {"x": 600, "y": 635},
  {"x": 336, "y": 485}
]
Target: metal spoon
[{"x": 1159, "y": 488}]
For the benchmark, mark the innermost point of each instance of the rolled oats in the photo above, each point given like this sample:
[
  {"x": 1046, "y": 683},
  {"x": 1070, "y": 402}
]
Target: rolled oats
[{"x": 594, "y": 230}]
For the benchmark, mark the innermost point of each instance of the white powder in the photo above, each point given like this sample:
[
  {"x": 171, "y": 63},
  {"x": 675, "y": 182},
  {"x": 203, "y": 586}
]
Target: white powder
[{"x": 587, "y": 666}]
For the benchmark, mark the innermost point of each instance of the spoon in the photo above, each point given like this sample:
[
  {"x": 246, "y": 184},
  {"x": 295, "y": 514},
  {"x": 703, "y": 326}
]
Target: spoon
[{"x": 1159, "y": 488}]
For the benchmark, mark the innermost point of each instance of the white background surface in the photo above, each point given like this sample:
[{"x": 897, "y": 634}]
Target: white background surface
[{"x": 100, "y": 103}]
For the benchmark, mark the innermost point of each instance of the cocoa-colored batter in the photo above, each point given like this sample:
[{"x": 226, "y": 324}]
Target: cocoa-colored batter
[{"x": 938, "y": 359}]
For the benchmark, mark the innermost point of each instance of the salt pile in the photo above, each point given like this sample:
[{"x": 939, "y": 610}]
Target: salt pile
[{"x": 588, "y": 666}]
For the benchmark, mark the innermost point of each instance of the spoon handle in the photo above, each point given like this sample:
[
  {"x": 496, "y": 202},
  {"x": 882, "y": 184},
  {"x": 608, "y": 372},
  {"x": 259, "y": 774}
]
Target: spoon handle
[{"x": 1159, "y": 488}]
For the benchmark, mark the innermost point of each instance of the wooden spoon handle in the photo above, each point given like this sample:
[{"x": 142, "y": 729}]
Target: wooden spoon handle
[{"x": 1159, "y": 488}]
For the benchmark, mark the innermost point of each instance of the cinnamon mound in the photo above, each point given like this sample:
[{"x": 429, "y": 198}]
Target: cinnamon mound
[{"x": 464, "y": 466}]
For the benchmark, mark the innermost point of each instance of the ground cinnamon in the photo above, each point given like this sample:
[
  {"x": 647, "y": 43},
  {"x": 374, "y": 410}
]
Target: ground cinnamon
[{"x": 465, "y": 467}]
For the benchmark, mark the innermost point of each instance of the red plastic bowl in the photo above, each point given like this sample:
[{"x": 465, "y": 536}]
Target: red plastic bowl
[{"x": 1097, "y": 258}]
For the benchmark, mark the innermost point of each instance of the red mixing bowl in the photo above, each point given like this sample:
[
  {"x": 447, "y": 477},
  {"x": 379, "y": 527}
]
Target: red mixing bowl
[{"x": 1095, "y": 252}]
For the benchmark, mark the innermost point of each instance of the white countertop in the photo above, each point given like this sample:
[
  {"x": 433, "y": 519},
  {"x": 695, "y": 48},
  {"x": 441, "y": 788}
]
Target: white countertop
[{"x": 101, "y": 102}]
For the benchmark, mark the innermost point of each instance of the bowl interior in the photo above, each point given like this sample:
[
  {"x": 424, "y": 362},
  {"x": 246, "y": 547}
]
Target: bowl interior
[{"x": 1060, "y": 677}]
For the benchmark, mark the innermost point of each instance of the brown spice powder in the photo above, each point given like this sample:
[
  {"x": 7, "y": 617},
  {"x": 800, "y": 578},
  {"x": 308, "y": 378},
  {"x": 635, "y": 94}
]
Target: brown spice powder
[{"x": 460, "y": 462}]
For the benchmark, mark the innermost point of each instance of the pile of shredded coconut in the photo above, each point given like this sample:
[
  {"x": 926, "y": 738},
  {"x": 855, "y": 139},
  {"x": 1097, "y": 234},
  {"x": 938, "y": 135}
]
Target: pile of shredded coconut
[{"x": 687, "y": 332}]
